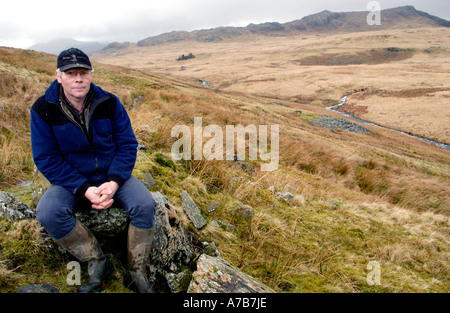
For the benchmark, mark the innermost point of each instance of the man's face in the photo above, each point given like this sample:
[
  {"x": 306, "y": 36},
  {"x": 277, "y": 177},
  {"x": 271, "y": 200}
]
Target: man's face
[{"x": 76, "y": 83}]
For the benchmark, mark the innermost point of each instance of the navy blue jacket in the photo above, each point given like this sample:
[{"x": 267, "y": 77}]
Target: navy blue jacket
[{"x": 77, "y": 157}]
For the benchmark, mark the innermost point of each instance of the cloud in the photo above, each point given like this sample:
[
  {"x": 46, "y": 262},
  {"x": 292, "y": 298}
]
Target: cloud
[{"x": 132, "y": 20}]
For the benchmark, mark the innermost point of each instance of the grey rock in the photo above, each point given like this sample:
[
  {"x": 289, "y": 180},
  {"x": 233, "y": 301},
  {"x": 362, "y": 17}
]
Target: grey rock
[
  {"x": 192, "y": 211},
  {"x": 14, "y": 209},
  {"x": 172, "y": 247},
  {"x": 219, "y": 223},
  {"x": 271, "y": 188},
  {"x": 148, "y": 180},
  {"x": 38, "y": 288},
  {"x": 334, "y": 205},
  {"x": 179, "y": 282},
  {"x": 245, "y": 166},
  {"x": 215, "y": 275},
  {"x": 213, "y": 205},
  {"x": 244, "y": 211},
  {"x": 110, "y": 222},
  {"x": 284, "y": 195},
  {"x": 25, "y": 184},
  {"x": 210, "y": 248}
]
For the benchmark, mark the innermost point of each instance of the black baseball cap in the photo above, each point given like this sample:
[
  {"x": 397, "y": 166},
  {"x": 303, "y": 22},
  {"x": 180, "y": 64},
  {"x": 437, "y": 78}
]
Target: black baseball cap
[{"x": 73, "y": 58}]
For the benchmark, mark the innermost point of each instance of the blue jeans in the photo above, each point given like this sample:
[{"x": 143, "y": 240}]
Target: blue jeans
[{"x": 55, "y": 210}]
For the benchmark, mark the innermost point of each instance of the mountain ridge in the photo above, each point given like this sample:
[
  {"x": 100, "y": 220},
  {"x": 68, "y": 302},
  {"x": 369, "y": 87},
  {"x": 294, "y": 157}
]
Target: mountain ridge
[{"x": 322, "y": 22}]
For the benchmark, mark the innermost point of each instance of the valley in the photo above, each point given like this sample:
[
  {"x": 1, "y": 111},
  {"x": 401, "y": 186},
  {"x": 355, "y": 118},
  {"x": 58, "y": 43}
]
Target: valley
[{"x": 393, "y": 78}]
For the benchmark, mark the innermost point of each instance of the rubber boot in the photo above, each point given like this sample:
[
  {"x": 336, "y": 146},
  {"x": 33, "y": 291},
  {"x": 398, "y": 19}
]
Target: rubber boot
[
  {"x": 82, "y": 244},
  {"x": 139, "y": 244}
]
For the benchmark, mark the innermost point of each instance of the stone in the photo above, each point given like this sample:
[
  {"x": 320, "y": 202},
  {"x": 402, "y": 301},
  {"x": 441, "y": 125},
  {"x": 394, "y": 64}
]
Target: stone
[
  {"x": 213, "y": 205},
  {"x": 179, "y": 282},
  {"x": 210, "y": 248},
  {"x": 38, "y": 288},
  {"x": 148, "y": 180},
  {"x": 172, "y": 248},
  {"x": 334, "y": 205},
  {"x": 284, "y": 195},
  {"x": 215, "y": 275},
  {"x": 192, "y": 211},
  {"x": 244, "y": 211},
  {"x": 245, "y": 166},
  {"x": 110, "y": 222},
  {"x": 14, "y": 209}
]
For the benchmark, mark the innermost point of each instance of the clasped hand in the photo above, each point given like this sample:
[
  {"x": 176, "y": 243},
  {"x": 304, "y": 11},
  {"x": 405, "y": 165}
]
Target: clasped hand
[{"x": 102, "y": 197}]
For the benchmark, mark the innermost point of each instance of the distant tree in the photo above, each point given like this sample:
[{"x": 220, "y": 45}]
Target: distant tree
[{"x": 186, "y": 57}]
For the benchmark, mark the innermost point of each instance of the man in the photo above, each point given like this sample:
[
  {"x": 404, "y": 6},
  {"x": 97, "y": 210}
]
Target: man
[{"x": 83, "y": 143}]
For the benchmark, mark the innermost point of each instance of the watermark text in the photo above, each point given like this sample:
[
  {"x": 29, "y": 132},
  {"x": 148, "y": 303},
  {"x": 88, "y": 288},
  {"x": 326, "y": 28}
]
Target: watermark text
[{"x": 213, "y": 149}]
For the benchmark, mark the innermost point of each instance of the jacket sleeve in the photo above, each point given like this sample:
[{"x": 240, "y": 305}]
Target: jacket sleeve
[
  {"x": 123, "y": 163},
  {"x": 48, "y": 158}
]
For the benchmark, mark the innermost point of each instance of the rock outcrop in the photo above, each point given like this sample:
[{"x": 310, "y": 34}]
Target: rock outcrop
[
  {"x": 172, "y": 249},
  {"x": 14, "y": 209},
  {"x": 110, "y": 222},
  {"x": 215, "y": 275},
  {"x": 174, "y": 265}
]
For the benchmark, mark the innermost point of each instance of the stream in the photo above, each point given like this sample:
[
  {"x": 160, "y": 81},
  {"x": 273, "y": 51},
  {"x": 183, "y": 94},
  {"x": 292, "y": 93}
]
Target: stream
[{"x": 335, "y": 108}]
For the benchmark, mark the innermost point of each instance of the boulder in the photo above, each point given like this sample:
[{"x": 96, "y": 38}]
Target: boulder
[
  {"x": 215, "y": 275},
  {"x": 172, "y": 249},
  {"x": 110, "y": 222},
  {"x": 14, "y": 209}
]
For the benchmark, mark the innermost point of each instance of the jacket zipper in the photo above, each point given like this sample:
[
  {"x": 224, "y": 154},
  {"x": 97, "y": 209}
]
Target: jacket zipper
[{"x": 85, "y": 131}]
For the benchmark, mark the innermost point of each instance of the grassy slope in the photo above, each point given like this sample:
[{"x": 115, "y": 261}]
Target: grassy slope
[{"x": 358, "y": 198}]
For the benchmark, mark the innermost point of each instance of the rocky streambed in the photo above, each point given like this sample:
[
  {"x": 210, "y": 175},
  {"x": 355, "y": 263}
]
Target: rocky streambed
[{"x": 340, "y": 105}]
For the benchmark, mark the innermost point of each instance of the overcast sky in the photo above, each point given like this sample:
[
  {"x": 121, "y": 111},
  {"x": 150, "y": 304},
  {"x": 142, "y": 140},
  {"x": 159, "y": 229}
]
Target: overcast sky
[{"x": 24, "y": 23}]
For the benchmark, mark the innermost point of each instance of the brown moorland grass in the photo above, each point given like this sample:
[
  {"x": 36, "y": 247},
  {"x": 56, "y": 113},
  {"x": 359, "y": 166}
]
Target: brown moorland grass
[
  {"x": 320, "y": 70},
  {"x": 358, "y": 198}
]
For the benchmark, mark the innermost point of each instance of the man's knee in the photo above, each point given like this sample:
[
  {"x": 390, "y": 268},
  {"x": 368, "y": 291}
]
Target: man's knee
[
  {"x": 54, "y": 212},
  {"x": 143, "y": 213}
]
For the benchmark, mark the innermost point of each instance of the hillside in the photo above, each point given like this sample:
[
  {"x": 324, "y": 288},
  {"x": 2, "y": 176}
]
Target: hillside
[
  {"x": 338, "y": 200},
  {"x": 397, "y": 78}
]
